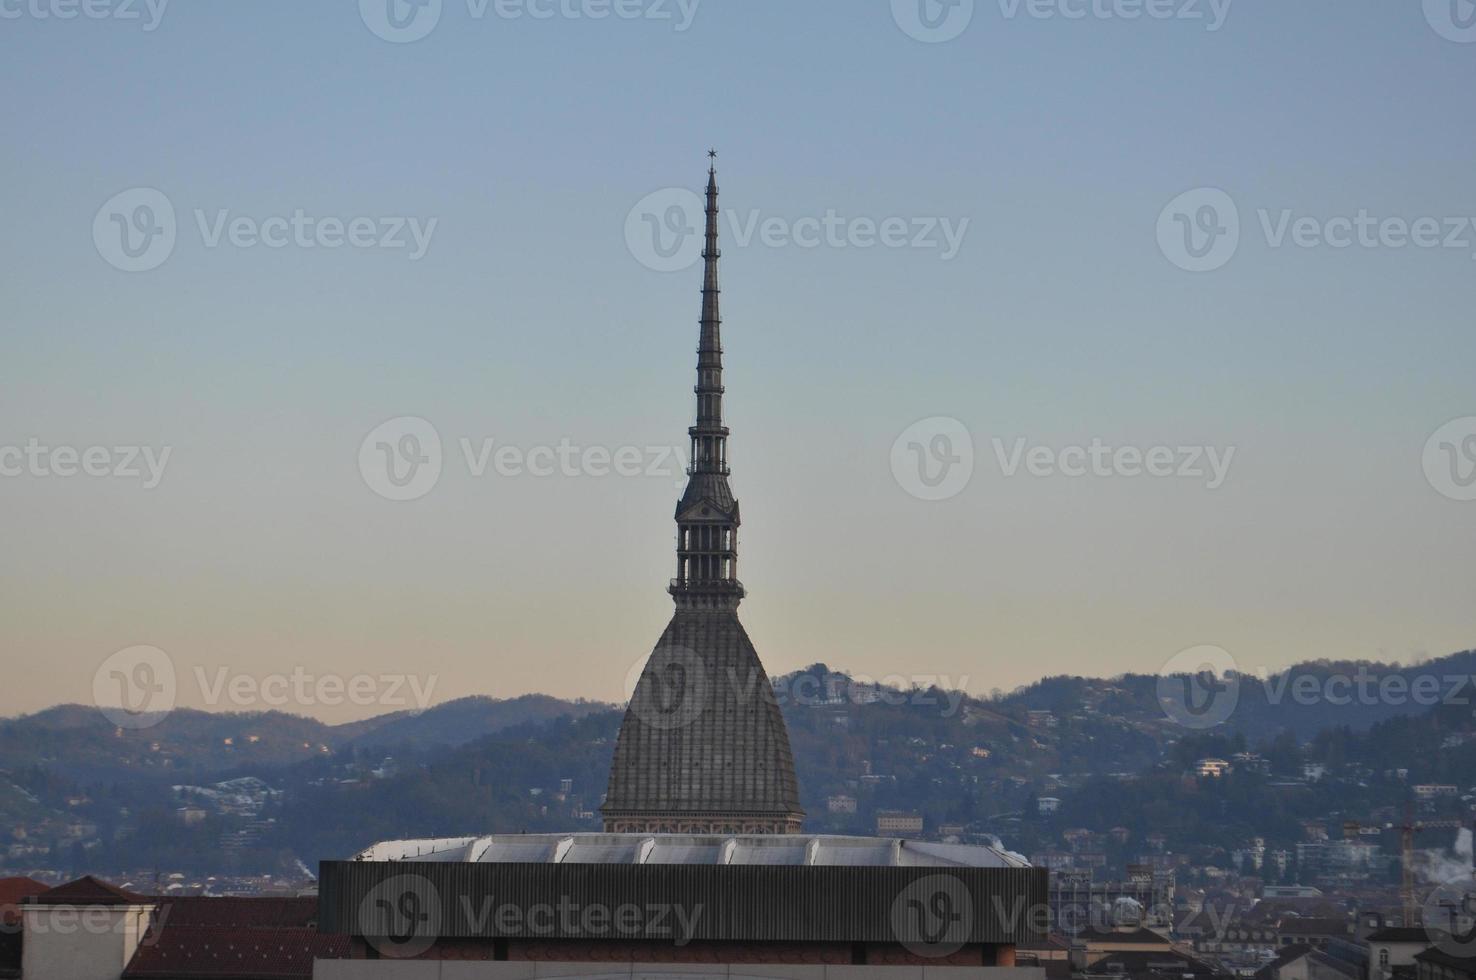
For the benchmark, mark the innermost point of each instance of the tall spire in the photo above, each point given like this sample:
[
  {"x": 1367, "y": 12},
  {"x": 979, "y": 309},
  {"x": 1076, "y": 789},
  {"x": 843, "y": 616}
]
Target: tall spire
[
  {"x": 707, "y": 515},
  {"x": 710, "y": 347},
  {"x": 703, "y": 748}
]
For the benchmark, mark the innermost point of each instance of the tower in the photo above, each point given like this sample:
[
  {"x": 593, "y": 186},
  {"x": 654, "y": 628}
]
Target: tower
[{"x": 703, "y": 747}]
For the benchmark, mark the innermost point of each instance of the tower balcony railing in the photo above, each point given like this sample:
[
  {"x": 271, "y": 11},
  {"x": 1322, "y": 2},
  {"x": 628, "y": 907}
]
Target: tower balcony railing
[{"x": 705, "y": 585}]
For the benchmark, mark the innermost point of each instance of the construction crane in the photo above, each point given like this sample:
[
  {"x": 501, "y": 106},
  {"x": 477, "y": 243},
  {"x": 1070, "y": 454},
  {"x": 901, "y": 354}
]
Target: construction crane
[
  {"x": 1406, "y": 858},
  {"x": 1407, "y": 831}
]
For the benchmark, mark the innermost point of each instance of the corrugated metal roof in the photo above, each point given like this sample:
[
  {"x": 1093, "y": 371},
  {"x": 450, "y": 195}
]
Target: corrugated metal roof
[{"x": 816, "y": 850}]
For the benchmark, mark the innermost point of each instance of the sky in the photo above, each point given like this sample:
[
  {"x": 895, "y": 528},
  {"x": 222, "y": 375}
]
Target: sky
[{"x": 983, "y": 264}]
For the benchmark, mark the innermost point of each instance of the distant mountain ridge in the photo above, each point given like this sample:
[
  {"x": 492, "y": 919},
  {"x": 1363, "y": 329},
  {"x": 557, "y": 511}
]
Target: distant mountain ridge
[
  {"x": 1105, "y": 748},
  {"x": 1304, "y": 699},
  {"x": 81, "y": 743}
]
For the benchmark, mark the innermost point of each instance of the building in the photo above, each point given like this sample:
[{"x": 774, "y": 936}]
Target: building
[
  {"x": 841, "y": 804},
  {"x": 14, "y": 891},
  {"x": 702, "y": 869},
  {"x": 234, "y": 939},
  {"x": 1437, "y": 964},
  {"x": 1078, "y": 902},
  {"x": 1133, "y": 953},
  {"x": 1337, "y": 861},
  {"x": 1433, "y": 791},
  {"x": 1164, "y": 964},
  {"x": 791, "y": 899},
  {"x": 1315, "y": 931},
  {"x": 1291, "y": 963},
  {"x": 86, "y": 929},
  {"x": 89, "y": 929},
  {"x": 1047, "y": 804},
  {"x": 703, "y": 748},
  {"x": 898, "y": 822},
  {"x": 1214, "y": 768},
  {"x": 1392, "y": 947},
  {"x": 1298, "y": 962}
]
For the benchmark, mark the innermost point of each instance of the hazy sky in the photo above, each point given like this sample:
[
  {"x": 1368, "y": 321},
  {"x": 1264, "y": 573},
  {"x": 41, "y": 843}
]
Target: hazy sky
[{"x": 521, "y": 148}]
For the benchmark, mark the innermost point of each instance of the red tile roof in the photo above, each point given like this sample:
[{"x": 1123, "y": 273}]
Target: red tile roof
[
  {"x": 88, "y": 890},
  {"x": 177, "y": 952},
  {"x": 12, "y": 892},
  {"x": 239, "y": 938},
  {"x": 240, "y": 912}
]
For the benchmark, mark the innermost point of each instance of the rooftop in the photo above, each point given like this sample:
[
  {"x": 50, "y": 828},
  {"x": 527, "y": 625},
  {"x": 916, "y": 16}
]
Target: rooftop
[
  {"x": 1399, "y": 934},
  {"x": 814, "y": 850},
  {"x": 236, "y": 938},
  {"x": 87, "y": 890}
]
